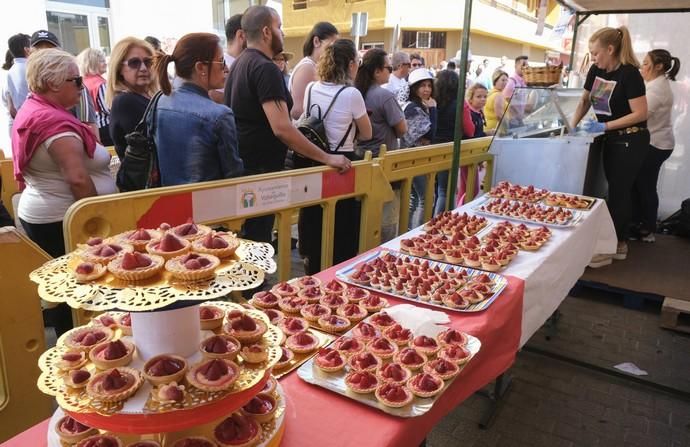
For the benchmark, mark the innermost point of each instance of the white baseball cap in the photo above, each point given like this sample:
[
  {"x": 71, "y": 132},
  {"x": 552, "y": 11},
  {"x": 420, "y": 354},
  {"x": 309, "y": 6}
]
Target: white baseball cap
[{"x": 420, "y": 74}]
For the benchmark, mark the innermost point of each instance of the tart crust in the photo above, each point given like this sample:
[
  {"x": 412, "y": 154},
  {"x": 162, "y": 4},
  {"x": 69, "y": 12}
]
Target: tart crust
[
  {"x": 138, "y": 274},
  {"x": 358, "y": 390},
  {"x": 177, "y": 269},
  {"x": 210, "y": 324},
  {"x": 160, "y": 380},
  {"x": 325, "y": 352},
  {"x": 262, "y": 417},
  {"x": 86, "y": 441},
  {"x": 295, "y": 346},
  {"x": 73, "y": 438},
  {"x": 152, "y": 248},
  {"x": 452, "y": 371},
  {"x": 225, "y": 252},
  {"x": 104, "y": 364},
  {"x": 251, "y": 442},
  {"x": 98, "y": 271},
  {"x": 247, "y": 336},
  {"x": 95, "y": 389},
  {"x": 231, "y": 354},
  {"x": 389, "y": 403},
  {"x": 233, "y": 372},
  {"x": 417, "y": 391},
  {"x": 71, "y": 342}
]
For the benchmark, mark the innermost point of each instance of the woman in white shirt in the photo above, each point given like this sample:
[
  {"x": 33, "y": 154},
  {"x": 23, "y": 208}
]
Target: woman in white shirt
[
  {"x": 348, "y": 117},
  {"x": 657, "y": 69}
]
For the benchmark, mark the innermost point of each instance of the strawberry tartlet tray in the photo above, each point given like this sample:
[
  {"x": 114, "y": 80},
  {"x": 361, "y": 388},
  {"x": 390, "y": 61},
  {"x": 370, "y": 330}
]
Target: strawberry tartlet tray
[{"x": 529, "y": 212}]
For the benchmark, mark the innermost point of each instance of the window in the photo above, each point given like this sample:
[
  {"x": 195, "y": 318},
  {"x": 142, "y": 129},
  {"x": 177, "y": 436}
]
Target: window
[
  {"x": 71, "y": 29},
  {"x": 370, "y": 45},
  {"x": 80, "y": 24},
  {"x": 423, "y": 39},
  {"x": 299, "y": 4}
]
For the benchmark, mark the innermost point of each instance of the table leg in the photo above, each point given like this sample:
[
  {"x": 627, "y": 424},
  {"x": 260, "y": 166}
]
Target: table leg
[
  {"x": 552, "y": 324},
  {"x": 501, "y": 387}
]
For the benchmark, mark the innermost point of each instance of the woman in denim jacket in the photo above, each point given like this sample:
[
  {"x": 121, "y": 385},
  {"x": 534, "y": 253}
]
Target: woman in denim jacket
[{"x": 195, "y": 137}]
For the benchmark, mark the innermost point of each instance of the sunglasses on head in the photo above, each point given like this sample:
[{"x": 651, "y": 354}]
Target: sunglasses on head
[
  {"x": 78, "y": 81},
  {"x": 135, "y": 62}
]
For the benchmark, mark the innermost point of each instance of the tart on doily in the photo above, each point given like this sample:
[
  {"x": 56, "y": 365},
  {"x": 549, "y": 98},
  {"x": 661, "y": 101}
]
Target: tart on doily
[
  {"x": 246, "y": 329},
  {"x": 71, "y": 431},
  {"x": 77, "y": 378},
  {"x": 364, "y": 361},
  {"x": 455, "y": 353},
  {"x": 394, "y": 373},
  {"x": 312, "y": 312},
  {"x": 410, "y": 358},
  {"x": 365, "y": 332},
  {"x": 220, "y": 347},
  {"x": 382, "y": 347},
  {"x": 304, "y": 282},
  {"x": 265, "y": 300},
  {"x": 168, "y": 246},
  {"x": 393, "y": 395},
  {"x": 124, "y": 322},
  {"x": 165, "y": 368},
  {"x": 221, "y": 245},
  {"x": 111, "y": 354},
  {"x": 194, "y": 441},
  {"x": 348, "y": 345},
  {"x": 213, "y": 375},
  {"x": 286, "y": 356},
  {"x": 114, "y": 385},
  {"x": 334, "y": 323},
  {"x": 72, "y": 360},
  {"x": 85, "y": 338},
  {"x": 89, "y": 271},
  {"x": 275, "y": 316},
  {"x": 262, "y": 407},
  {"x": 190, "y": 230},
  {"x": 103, "y": 253},
  {"x": 362, "y": 382},
  {"x": 443, "y": 368},
  {"x": 192, "y": 266},
  {"x": 425, "y": 345},
  {"x": 271, "y": 385},
  {"x": 425, "y": 385},
  {"x": 285, "y": 289},
  {"x": 238, "y": 431},
  {"x": 135, "y": 266},
  {"x": 302, "y": 342},
  {"x": 353, "y": 312},
  {"x": 100, "y": 441},
  {"x": 452, "y": 337},
  {"x": 106, "y": 320},
  {"x": 329, "y": 360},
  {"x": 211, "y": 317},
  {"x": 139, "y": 238},
  {"x": 293, "y": 325},
  {"x": 254, "y": 353},
  {"x": 168, "y": 393}
]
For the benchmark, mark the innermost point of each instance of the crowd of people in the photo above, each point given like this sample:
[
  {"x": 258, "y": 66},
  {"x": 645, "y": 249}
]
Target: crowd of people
[{"x": 217, "y": 113}]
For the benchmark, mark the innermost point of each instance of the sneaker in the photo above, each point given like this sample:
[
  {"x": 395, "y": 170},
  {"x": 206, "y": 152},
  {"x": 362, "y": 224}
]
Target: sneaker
[
  {"x": 621, "y": 251},
  {"x": 600, "y": 261},
  {"x": 648, "y": 238}
]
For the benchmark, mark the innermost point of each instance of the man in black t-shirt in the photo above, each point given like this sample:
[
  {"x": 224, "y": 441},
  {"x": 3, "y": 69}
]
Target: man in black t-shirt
[{"x": 257, "y": 95}]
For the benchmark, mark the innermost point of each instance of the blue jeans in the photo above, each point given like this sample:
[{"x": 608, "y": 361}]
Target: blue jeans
[
  {"x": 417, "y": 202},
  {"x": 441, "y": 192}
]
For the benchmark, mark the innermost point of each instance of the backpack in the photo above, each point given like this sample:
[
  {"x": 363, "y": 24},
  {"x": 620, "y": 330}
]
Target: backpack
[
  {"x": 139, "y": 167},
  {"x": 679, "y": 222},
  {"x": 312, "y": 126}
]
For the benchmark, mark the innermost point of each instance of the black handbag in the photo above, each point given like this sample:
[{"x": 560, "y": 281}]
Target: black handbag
[
  {"x": 313, "y": 127},
  {"x": 139, "y": 166}
]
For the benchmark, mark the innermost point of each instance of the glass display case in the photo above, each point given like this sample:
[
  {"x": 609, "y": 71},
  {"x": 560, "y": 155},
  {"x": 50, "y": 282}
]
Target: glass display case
[
  {"x": 540, "y": 112},
  {"x": 536, "y": 144}
]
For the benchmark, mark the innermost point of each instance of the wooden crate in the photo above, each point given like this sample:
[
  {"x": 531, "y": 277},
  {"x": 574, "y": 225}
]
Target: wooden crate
[{"x": 675, "y": 314}]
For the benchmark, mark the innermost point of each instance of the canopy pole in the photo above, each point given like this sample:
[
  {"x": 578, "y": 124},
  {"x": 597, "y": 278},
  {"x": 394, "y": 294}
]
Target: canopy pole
[
  {"x": 459, "y": 110},
  {"x": 573, "y": 44}
]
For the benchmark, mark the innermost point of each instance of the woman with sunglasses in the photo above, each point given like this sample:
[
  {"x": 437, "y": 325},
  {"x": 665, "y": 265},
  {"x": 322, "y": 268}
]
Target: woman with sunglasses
[
  {"x": 129, "y": 88},
  {"x": 195, "y": 137},
  {"x": 57, "y": 159},
  {"x": 387, "y": 118}
]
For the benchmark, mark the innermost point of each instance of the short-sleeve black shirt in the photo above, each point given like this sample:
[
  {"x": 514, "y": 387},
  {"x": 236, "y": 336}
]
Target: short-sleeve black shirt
[
  {"x": 253, "y": 80},
  {"x": 610, "y": 92}
]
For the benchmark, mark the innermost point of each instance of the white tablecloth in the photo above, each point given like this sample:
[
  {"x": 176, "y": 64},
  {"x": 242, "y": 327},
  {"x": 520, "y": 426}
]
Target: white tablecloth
[{"x": 553, "y": 270}]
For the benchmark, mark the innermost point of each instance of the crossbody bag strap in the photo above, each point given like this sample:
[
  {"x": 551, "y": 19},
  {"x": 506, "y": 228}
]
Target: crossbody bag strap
[
  {"x": 150, "y": 109},
  {"x": 330, "y": 106},
  {"x": 342, "y": 142}
]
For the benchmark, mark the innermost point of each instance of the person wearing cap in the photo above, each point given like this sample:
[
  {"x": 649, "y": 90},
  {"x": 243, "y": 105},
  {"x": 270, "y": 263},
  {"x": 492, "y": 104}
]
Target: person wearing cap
[
  {"x": 281, "y": 61},
  {"x": 17, "y": 87},
  {"x": 420, "y": 113},
  {"x": 397, "y": 83},
  {"x": 84, "y": 110}
]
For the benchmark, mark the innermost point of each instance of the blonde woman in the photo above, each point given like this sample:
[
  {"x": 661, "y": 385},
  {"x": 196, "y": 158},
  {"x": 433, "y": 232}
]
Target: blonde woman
[
  {"x": 495, "y": 103},
  {"x": 616, "y": 91},
  {"x": 131, "y": 83},
  {"x": 92, "y": 66}
]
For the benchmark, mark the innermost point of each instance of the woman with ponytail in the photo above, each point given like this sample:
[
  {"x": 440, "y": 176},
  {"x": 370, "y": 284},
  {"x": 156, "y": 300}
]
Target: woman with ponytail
[
  {"x": 657, "y": 69},
  {"x": 616, "y": 92},
  {"x": 195, "y": 137}
]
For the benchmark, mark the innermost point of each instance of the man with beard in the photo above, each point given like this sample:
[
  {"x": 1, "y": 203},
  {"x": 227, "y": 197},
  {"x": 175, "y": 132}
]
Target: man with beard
[{"x": 257, "y": 95}]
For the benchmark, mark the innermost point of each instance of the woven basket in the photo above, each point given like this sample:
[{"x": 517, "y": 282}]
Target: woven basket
[{"x": 542, "y": 76}]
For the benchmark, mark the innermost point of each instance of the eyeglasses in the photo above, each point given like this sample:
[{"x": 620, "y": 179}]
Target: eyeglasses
[
  {"x": 135, "y": 62},
  {"x": 78, "y": 81},
  {"x": 389, "y": 68},
  {"x": 218, "y": 62}
]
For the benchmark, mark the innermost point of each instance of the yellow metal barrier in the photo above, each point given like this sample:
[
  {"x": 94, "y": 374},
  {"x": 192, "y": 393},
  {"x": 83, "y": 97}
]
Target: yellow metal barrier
[
  {"x": 405, "y": 164},
  {"x": 21, "y": 336},
  {"x": 9, "y": 185}
]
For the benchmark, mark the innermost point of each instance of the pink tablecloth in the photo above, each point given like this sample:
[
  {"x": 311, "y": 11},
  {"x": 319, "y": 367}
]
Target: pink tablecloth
[{"x": 317, "y": 417}]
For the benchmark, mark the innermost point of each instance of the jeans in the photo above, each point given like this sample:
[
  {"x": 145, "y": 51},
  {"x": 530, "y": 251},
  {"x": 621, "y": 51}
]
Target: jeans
[
  {"x": 417, "y": 201},
  {"x": 644, "y": 195},
  {"x": 623, "y": 157},
  {"x": 51, "y": 239},
  {"x": 441, "y": 192},
  {"x": 259, "y": 229}
]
